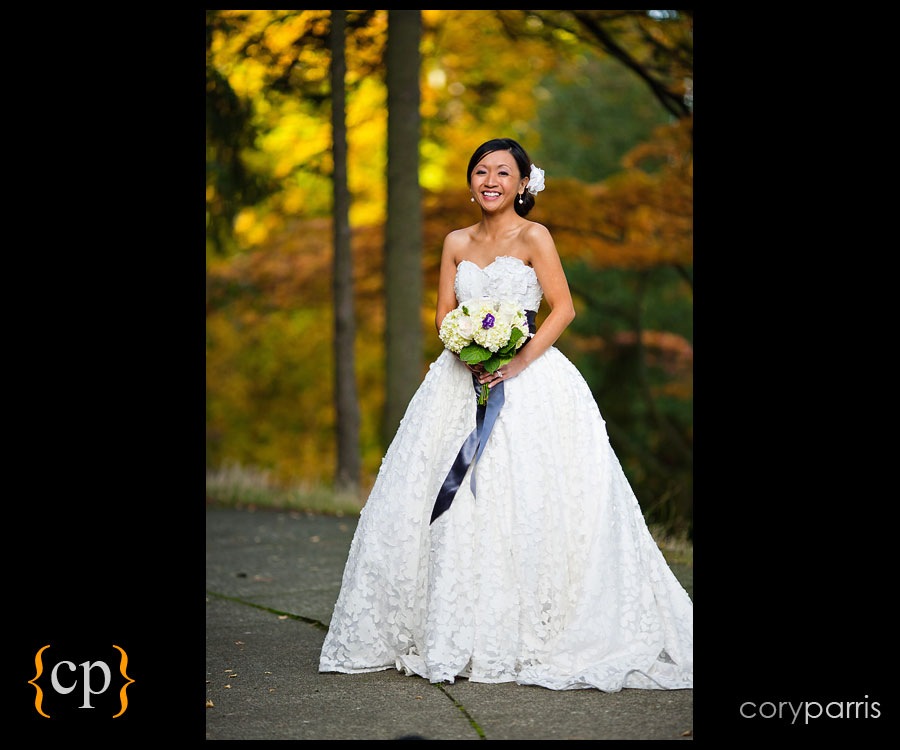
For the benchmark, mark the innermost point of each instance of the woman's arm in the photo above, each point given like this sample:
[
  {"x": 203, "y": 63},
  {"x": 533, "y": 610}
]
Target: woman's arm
[
  {"x": 546, "y": 263},
  {"x": 446, "y": 298}
]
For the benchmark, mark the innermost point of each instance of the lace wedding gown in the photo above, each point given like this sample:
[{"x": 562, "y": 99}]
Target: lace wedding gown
[{"x": 548, "y": 577}]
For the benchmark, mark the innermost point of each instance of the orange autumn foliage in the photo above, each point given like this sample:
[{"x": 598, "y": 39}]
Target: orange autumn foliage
[{"x": 636, "y": 220}]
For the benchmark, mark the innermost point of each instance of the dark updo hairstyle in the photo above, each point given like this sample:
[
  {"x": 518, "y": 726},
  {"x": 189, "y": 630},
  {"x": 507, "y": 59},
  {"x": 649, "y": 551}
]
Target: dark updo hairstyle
[{"x": 522, "y": 160}]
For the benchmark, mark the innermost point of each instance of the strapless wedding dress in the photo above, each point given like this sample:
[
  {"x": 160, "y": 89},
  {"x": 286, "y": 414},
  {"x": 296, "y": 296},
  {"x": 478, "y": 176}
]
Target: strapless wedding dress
[{"x": 548, "y": 577}]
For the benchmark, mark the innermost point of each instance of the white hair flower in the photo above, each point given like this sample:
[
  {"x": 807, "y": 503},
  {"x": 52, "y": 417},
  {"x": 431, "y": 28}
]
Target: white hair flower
[{"x": 535, "y": 180}]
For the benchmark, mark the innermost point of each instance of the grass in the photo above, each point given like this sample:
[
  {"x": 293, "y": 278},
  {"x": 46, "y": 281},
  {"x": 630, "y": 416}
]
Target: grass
[
  {"x": 235, "y": 486},
  {"x": 676, "y": 548}
]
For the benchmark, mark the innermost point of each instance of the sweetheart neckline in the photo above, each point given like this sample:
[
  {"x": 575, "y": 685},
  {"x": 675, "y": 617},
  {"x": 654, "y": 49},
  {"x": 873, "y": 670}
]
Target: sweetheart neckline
[{"x": 496, "y": 258}]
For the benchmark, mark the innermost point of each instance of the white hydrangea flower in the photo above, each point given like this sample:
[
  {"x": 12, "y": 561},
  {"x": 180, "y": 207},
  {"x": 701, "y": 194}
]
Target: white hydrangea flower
[{"x": 452, "y": 330}]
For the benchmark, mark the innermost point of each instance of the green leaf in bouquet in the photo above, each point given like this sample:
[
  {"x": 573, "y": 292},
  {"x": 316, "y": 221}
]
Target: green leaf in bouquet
[
  {"x": 473, "y": 354},
  {"x": 497, "y": 361},
  {"x": 511, "y": 344}
]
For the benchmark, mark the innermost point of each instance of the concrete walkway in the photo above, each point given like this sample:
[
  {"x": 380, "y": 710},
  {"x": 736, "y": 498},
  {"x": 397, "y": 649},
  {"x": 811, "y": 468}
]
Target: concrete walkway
[{"x": 272, "y": 579}]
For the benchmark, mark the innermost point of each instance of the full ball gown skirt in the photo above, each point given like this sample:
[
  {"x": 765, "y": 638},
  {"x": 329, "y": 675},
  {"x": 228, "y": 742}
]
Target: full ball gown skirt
[{"x": 548, "y": 577}]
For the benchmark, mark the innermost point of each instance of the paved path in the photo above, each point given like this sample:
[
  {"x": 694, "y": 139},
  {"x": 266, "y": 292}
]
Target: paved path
[{"x": 272, "y": 579}]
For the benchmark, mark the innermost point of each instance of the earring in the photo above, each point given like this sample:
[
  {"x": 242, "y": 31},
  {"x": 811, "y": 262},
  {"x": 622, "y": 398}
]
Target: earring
[
  {"x": 472, "y": 199},
  {"x": 520, "y": 200}
]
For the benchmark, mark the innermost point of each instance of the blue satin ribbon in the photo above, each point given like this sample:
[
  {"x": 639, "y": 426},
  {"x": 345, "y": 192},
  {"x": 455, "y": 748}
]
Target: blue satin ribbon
[{"x": 473, "y": 446}]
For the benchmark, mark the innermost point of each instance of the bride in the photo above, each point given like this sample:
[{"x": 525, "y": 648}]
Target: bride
[{"x": 502, "y": 542}]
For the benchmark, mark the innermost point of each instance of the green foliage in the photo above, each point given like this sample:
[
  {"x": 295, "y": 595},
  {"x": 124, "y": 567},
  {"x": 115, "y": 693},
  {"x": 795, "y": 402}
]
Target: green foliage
[
  {"x": 632, "y": 342},
  {"x": 592, "y": 112}
]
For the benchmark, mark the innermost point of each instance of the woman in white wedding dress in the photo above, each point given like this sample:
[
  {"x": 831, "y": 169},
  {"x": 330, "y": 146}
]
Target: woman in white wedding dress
[{"x": 547, "y": 573}]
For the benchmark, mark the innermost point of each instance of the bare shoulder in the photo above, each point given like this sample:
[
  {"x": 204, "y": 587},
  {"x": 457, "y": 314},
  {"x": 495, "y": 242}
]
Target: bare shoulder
[
  {"x": 456, "y": 240},
  {"x": 462, "y": 234},
  {"x": 538, "y": 239},
  {"x": 457, "y": 236},
  {"x": 536, "y": 231}
]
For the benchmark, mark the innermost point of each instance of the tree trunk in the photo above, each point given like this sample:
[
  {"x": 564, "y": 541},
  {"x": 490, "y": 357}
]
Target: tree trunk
[
  {"x": 403, "y": 240},
  {"x": 346, "y": 401}
]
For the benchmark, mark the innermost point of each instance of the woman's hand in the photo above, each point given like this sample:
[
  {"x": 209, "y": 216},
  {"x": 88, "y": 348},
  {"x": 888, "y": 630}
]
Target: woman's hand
[{"x": 509, "y": 370}]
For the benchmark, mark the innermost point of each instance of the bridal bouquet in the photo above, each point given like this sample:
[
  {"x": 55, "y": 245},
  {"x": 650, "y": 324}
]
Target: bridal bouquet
[{"x": 486, "y": 332}]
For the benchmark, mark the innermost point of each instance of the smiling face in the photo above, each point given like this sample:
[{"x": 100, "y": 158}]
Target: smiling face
[{"x": 495, "y": 181}]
